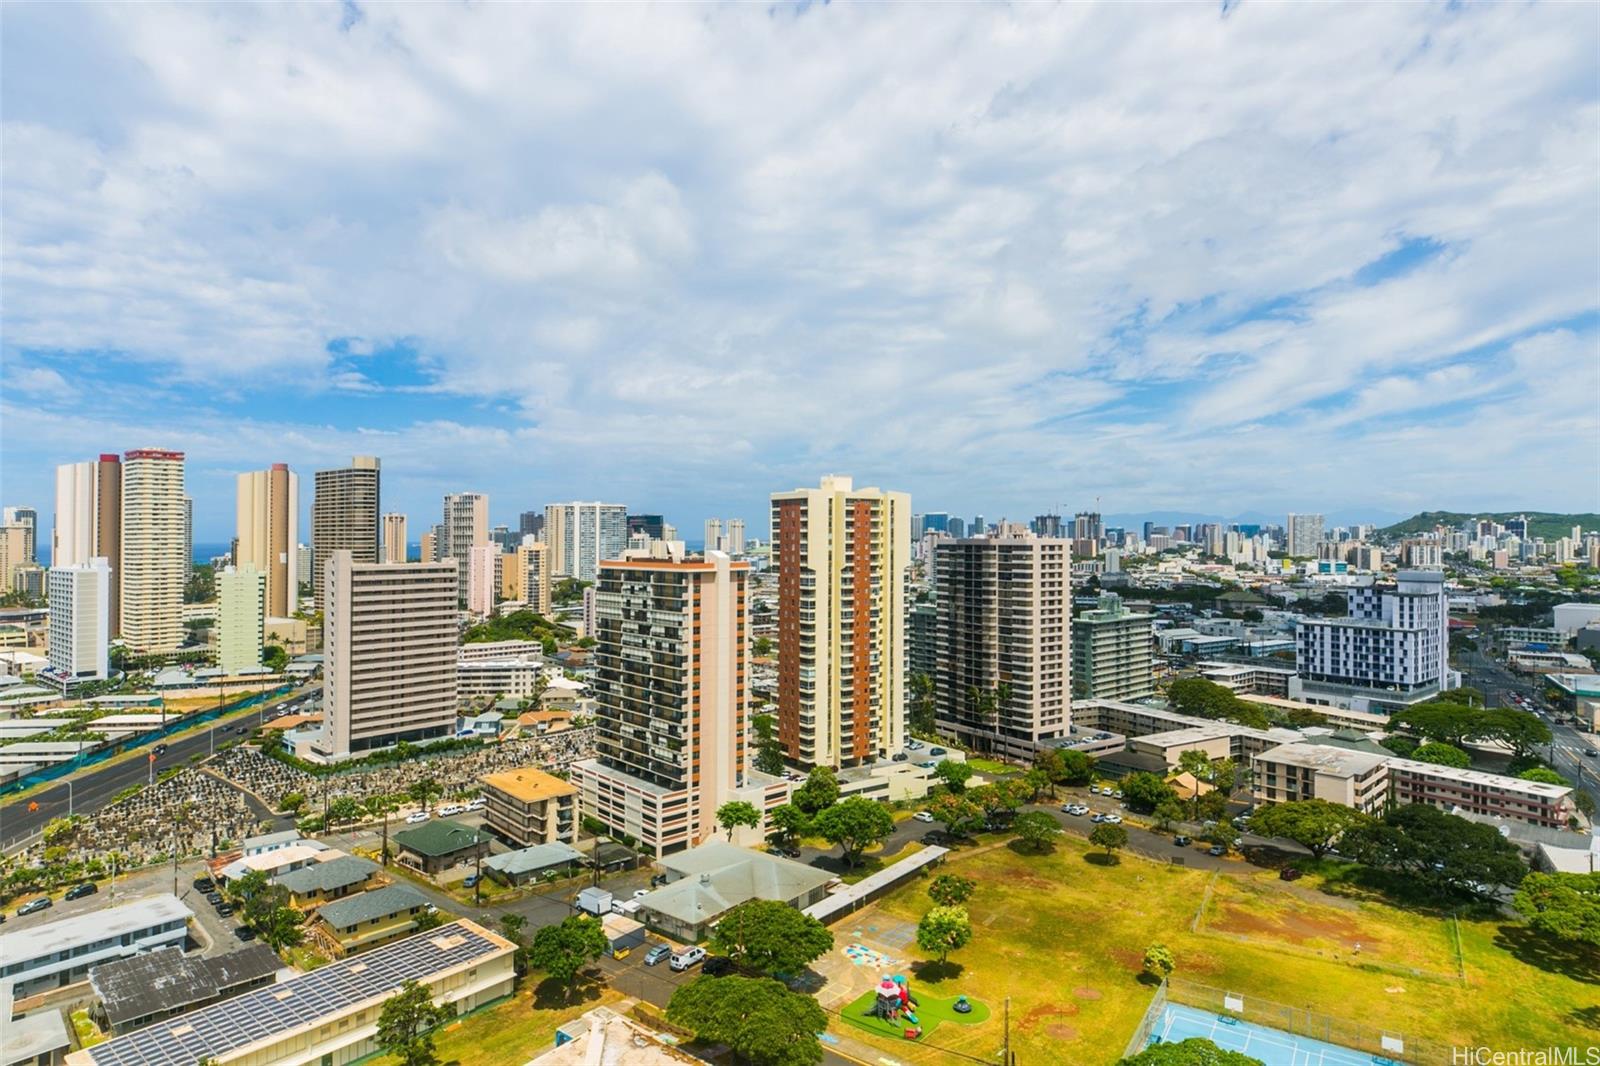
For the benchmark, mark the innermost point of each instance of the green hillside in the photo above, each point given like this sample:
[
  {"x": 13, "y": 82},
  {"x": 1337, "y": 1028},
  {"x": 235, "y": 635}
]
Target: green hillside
[{"x": 1544, "y": 524}]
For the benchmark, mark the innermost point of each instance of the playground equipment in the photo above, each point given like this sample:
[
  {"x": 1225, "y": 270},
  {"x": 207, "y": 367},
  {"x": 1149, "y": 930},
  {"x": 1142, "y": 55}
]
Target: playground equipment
[
  {"x": 893, "y": 1003},
  {"x": 961, "y": 1006}
]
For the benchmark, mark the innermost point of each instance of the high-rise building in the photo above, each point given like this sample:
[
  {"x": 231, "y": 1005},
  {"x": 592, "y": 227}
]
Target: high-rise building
[
  {"x": 88, "y": 522},
  {"x": 28, "y": 518},
  {"x": 713, "y": 541},
  {"x": 344, "y": 517},
  {"x": 242, "y": 596},
  {"x": 13, "y": 553},
  {"x": 430, "y": 546},
  {"x": 936, "y": 522},
  {"x": 268, "y": 523},
  {"x": 1392, "y": 648},
  {"x": 302, "y": 566},
  {"x": 1303, "y": 533},
  {"x": 581, "y": 534},
  {"x": 465, "y": 524},
  {"x": 957, "y": 528},
  {"x": 389, "y": 655},
  {"x": 483, "y": 578},
  {"x": 188, "y": 538},
  {"x": 525, "y": 576},
  {"x": 734, "y": 538},
  {"x": 922, "y": 642},
  {"x": 502, "y": 538},
  {"x": 653, "y": 526},
  {"x": 153, "y": 536},
  {"x": 395, "y": 549},
  {"x": 1003, "y": 679},
  {"x": 1111, "y": 653},
  {"x": 1086, "y": 525},
  {"x": 671, "y": 701},
  {"x": 530, "y": 523},
  {"x": 1047, "y": 525},
  {"x": 80, "y": 624},
  {"x": 841, "y": 555}
]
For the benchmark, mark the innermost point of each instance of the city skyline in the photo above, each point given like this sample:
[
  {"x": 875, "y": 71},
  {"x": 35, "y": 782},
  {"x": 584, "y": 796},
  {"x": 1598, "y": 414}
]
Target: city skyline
[{"x": 1220, "y": 261}]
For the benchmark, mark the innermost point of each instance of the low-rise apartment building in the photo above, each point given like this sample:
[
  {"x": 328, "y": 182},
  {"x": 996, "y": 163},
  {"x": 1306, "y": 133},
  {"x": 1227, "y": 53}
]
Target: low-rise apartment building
[
  {"x": 329, "y": 1015},
  {"x": 1481, "y": 793},
  {"x": 61, "y": 952},
  {"x": 478, "y": 679},
  {"x": 527, "y": 806},
  {"x": 368, "y": 919},
  {"x": 1292, "y": 772}
]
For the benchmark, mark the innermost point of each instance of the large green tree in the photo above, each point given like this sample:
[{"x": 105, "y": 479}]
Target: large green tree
[
  {"x": 735, "y": 813},
  {"x": 855, "y": 825},
  {"x": 1447, "y": 723},
  {"x": 1522, "y": 731},
  {"x": 1314, "y": 824},
  {"x": 406, "y": 1024},
  {"x": 1442, "y": 754},
  {"x": 1438, "y": 850},
  {"x": 771, "y": 936},
  {"x": 943, "y": 930},
  {"x": 788, "y": 823},
  {"x": 1563, "y": 906},
  {"x": 1110, "y": 837},
  {"x": 1145, "y": 791},
  {"x": 1036, "y": 829},
  {"x": 757, "y": 1018},
  {"x": 820, "y": 791},
  {"x": 769, "y": 749},
  {"x": 954, "y": 774},
  {"x": 564, "y": 949},
  {"x": 951, "y": 890},
  {"x": 957, "y": 814}
]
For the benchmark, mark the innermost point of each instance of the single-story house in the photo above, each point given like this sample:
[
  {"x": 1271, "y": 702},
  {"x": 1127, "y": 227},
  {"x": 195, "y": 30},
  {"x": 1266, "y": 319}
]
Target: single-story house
[
  {"x": 622, "y": 933},
  {"x": 706, "y": 882},
  {"x": 529, "y": 864},
  {"x": 440, "y": 844},
  {"x": 369, "y": 918},
  {"x": 311, "y": 886}
]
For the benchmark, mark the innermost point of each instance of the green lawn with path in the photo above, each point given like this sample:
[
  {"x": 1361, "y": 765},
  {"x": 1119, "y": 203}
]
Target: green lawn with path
[
  {"x": 1063, "y": 935},
  {"x": 931, "y": 1011}
]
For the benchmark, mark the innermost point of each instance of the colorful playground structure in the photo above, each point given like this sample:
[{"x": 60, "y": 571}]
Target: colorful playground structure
[{"x": 894, "y": 1002}]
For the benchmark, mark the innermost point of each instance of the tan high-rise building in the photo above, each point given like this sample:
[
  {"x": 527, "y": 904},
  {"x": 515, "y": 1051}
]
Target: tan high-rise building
[
  {"x": 267, "y": 513},
  {"x": 13, "y": 553},
  {"x": 465, "y": 525},
  {"x": 430, "y": 547},
  {"x": 389, "y": 654},
  {"x": 88, "y": 522},
  {"x": 483, "y": 578},
  {"x": 1002, "y": 651},
  {"x": 344, "y": 517},
  {"x": 394, "y": 539},
  {"x": 841, "y": 555},
  {"x": 153, "y": 535},
  {"x": 672, "y": 703},
  {"x": 525, "y": 576}
]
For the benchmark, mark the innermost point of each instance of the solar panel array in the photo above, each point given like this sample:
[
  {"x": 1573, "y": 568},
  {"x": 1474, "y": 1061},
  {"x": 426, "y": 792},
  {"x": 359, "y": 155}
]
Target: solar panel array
[{"x": 306, "y": 1001}]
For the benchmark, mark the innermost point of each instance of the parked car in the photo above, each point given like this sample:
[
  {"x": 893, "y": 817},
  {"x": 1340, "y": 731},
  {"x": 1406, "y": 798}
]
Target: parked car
[
  {"x": 450, "y": 809},
  {"x": 900, "y": 756},
  {"x": 690, "y": 956},
  {"x": 204, "y": 884},
  {"x": 923, "y": 816},
  {"x": 246, "y": 932},
  {"x": 914, "y": 745},
  {"x": 420, "y": 816},
  {"x": 1117, "y": 793},
  {"x": 470, "y": 880},
  {"x": 1114, "y": 819},
  {"x": 937, "y": 751},
  {"x": 1289, "y": 873},
  {"x": 225, "y": 911},
  {"x": 1098, "y": 817},
  {"x": 658, "y": 953},
  {"x": 88, "y": 888},
  {"x": 1216, "y": 849},
  {"x": 34, "y": 906},
  {"x": 478, "y": 804},
  {"x": 1182, "y": 841},
  {"x": 1590, "y": 752},
  {"x": 640, "y": 893},
  {"x": 215, "y": 898},
  {"x": 1094, "y": 790},
  {"x": 1077, "y": 810},
  {"x": 717, "y": 965}
]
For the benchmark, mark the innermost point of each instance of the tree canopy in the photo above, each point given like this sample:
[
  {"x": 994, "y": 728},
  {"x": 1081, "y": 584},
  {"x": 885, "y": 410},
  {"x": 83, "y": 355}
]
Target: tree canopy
[
  {"x": 950, "y": 890},
  {"x": 1441, "y": 754},
  {"x": 788, "y": 822},
  {"x": 564, "y": 949},
  {"x": 756, "y": 1017},
  {"x": 771, "y": 936},
  {"x": 957, "y": 814},
  {"x": 518, "y": 625},
  {"x": 1313, "y": 824},
  {"x": 1563, "y": 906},
  {"x": 943, "y": 930},
  {"x": 855, "y": 825},
  {"x": 1439, "y": 850},
  {"x": 1207, "y": 699},
  {"x": 1109, "y": 836},
  {"x": 1146, "y": 791},
  {"x": 820, "y": 791},
  {"x": 1195, "y": 1051},
  {"x": 735, "y": 813},
  {"x": 406, "y": 1024},
  {"x": 1037, "y": 829},
  {"x": 769, "y": 749},
  {"x": 954, "y": 774}
]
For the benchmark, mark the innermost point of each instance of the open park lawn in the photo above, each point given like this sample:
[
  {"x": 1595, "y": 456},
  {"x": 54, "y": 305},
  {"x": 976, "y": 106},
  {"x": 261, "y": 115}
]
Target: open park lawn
[
  {"x": 1064, "y": 936},
  {"x": 513, "y": 1030}
]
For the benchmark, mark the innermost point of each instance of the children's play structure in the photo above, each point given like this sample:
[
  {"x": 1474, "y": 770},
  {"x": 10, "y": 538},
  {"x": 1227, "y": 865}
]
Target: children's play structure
[{"x": 895, "y": 1003}]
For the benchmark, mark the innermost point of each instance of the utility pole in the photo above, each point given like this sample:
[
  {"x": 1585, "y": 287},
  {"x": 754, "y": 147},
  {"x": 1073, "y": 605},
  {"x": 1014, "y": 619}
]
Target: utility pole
[{"x": 1005, "y": 1058}]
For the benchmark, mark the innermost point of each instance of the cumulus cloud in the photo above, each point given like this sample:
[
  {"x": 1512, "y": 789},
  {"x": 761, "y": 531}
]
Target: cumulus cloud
[{"x": 1009, "y": 257}]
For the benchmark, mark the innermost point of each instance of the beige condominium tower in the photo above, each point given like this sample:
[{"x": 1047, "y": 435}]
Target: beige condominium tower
[
  {"x": 267, "y": 511},
  {"x": 88, "y": 522},
  {"x": 841, "y": 553},
  {"x": 152, "y": 550},
  {"x": 394, "y": 538},
  {"x": 344, "y": 517},
  {"x": 389, "y": 657}
]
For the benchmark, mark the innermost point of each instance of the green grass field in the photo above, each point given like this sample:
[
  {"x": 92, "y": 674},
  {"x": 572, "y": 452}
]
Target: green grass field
[
  {"x": 1064, "y": 936},
  {"x": 514, "y": 1030}
]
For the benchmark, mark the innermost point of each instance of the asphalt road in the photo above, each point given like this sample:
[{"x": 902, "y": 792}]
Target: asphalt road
[
  {"x": 1569, "y": 747},
  {"x": 90, "y": 790}
]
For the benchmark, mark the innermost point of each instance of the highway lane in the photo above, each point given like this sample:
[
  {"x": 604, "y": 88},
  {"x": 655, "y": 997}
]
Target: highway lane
[
  {"x": 90, "y": 790},
  {"x": 1570, "y": 749}
]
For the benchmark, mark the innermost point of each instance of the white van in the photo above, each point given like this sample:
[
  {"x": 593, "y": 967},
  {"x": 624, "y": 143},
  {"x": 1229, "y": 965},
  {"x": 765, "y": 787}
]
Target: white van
[{"x": 691, "y": 956}]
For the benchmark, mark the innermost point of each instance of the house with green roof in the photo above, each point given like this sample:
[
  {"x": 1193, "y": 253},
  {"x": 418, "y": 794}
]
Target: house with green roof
[{"x": 439, "y": 844}]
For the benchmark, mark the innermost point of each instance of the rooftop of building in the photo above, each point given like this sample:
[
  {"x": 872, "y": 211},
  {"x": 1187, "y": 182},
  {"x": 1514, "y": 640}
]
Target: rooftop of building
[
  {"x": 717, "y": 876},
  {"x": 439, "y": 837},
  {"x": 528, "y": 784},
  {"x": 1482, "y": 777},
  {"x": 330, "y": 876},
  {"x": 602, "y": 1037},
  {"x": 303, "y": 1002},
  {"x": 93, "y": 926},
  {"x": 1324, "y": 758},
  {"x": 282, "y": 838},
  {"x": 535, "y": 858},
  {"x": 370, "y": 905},
  {"x": 166, "y": 980}
]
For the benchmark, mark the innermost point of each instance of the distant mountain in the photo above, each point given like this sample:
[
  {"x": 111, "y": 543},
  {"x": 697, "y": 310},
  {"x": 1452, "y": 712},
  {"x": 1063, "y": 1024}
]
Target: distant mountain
[
  {"x": 1344, "y": 516},
  {"x": 1546, "y": 524}
]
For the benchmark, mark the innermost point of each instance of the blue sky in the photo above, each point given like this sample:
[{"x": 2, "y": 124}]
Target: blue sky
[{"x": 1278, "y": 257}]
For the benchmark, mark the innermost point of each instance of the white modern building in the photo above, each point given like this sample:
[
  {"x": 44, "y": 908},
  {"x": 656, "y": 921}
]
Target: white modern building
[
  {"x": 1568, "y": 618},
  {"x": 60, "y": 953},
  {"x": 241, "y": 618},
  {"x": 80, "y": 624},
  {"x": 483, "y": 578},
  {"x": 389, "y": 656},
  {"x": 1391, "y": 650},
  {"x": 465, "y": 526},
  {"x": 581, "y": 534}
]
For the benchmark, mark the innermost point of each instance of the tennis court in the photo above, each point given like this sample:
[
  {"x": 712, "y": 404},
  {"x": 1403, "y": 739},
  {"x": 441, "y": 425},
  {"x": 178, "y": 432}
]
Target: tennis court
[{"x": 1272, "y": 1046}]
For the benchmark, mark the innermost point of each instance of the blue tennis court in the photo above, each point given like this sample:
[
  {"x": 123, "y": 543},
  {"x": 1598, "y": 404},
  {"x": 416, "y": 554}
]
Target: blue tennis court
[{"x": 1272, "y": 1046}]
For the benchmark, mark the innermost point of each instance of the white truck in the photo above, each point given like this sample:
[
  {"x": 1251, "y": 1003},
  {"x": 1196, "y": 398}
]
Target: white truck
[{"x": 595, "y": 901}]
